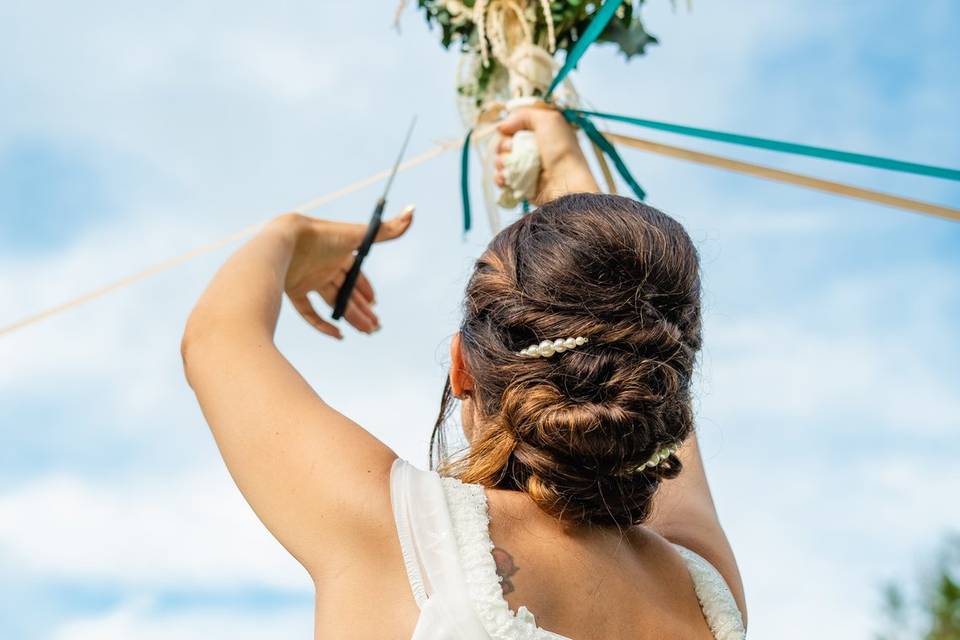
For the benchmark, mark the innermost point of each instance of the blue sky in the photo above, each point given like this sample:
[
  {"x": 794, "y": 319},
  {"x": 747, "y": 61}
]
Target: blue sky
[{"x": 827, "y": 399}]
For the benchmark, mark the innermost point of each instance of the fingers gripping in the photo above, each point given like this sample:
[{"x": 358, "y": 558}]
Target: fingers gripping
[
  {"x": 303, "y": 305},
  {"x": 519, "y": 120},
  {"x": 359, "y": 311}
]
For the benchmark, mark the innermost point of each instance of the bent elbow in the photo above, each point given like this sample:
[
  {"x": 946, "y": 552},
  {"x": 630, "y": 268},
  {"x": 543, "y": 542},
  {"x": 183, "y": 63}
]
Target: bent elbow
[
  {"x": 186, "y": 348},
  {"x": 190, "y": 343}
]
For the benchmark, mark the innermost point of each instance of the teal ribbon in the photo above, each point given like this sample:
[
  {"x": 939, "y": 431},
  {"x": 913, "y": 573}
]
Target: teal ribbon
[
  {"x": 465, "y": 180},
  {"x": 785, "y": 147},
  {"x": 600, "y": 21},
  {"x": 574, "y": 117}
]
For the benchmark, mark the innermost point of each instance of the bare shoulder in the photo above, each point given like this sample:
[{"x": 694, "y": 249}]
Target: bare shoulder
[{"x": 710, "y": 543}]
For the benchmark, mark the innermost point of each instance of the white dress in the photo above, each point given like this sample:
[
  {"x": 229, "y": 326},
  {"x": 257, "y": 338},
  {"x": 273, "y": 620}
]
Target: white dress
[{"x": 443, "y": 526}]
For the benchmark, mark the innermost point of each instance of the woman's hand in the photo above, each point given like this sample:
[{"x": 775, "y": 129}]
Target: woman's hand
[
  {"x": 564, "y": 168},
  {"x": 323, "y": 252}
]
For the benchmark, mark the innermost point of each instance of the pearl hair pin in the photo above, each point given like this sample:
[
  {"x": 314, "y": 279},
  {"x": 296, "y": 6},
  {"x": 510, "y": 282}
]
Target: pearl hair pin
[
  {"x": 658, "y": 457},
  {"x": 549, "y": 347}
]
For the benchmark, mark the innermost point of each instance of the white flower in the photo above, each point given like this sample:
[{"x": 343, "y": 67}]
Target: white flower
[{"x": 460, "y": 14}]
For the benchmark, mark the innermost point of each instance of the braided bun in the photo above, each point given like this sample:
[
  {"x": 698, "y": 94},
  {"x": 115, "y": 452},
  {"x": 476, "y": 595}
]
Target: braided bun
[{"x": 570, "y": 429}]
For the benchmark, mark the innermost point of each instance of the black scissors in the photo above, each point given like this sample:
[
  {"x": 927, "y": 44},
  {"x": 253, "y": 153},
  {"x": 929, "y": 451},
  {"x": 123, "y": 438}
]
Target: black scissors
[{"x": 343, "y": 295}]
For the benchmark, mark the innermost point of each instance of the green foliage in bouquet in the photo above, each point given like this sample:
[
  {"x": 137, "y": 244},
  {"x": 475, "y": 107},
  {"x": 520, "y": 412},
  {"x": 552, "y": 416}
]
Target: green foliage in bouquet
[{"x": 570, "y": 18}]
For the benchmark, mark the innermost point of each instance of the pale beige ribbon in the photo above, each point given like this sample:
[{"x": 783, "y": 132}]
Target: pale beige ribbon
[
  {"x": 133, "y": 278},
  {"x": 778, "y": 175}
]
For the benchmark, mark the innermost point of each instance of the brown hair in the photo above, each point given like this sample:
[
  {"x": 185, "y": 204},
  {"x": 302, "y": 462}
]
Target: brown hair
[{"x": 566, "y": 429}]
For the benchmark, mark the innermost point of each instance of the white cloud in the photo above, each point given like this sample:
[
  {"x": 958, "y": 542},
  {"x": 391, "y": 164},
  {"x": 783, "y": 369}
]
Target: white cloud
[
  {"x": 846, "y": 364},
  {"x": 191, "y": 529},
  {"x": 135, "y": 620},
  {"x": 778, "y": 369},
  {"x": 294, "y": 70}
]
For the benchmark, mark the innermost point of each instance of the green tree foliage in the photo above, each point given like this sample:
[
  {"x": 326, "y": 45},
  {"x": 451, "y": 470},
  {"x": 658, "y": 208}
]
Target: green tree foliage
[{"x": 930, "y": 609}]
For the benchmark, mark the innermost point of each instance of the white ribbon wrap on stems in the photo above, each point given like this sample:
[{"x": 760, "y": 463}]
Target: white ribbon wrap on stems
[
  {"x": 526, "y": 68},
  {"x": 521, "y": 170}
]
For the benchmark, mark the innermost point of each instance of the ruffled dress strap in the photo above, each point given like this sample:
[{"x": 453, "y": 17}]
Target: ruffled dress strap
[
  {"x": 431, "y": 556},
  {"x": 716, "y": 600},
  {"x": 471, "y": 527}
]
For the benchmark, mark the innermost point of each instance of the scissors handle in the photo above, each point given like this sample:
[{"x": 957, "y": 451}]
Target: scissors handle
[{"x": 343, "y": 295}]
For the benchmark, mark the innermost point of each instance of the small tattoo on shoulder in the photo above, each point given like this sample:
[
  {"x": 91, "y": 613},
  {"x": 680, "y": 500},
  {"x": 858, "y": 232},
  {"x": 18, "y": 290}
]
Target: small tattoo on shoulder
[{"x": 505, "y": 568}]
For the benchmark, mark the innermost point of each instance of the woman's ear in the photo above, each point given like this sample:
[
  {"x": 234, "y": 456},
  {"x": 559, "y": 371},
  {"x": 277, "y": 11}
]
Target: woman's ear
[{"x": 460, "y": 379}]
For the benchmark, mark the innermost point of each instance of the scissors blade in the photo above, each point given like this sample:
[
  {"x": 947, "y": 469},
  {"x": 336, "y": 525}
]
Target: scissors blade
[{"x": 396, "y": 165}]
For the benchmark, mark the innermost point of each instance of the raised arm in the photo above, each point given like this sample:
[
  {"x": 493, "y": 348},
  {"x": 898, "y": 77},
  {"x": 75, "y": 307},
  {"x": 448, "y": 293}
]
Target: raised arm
[
  {"x": 293, "y": 457},
  {"x": 684, "y": 512}
]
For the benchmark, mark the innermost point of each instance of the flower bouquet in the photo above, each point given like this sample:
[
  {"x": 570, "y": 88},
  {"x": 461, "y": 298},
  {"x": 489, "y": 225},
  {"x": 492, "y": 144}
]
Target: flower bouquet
[{"x": 509, "y": 51}]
